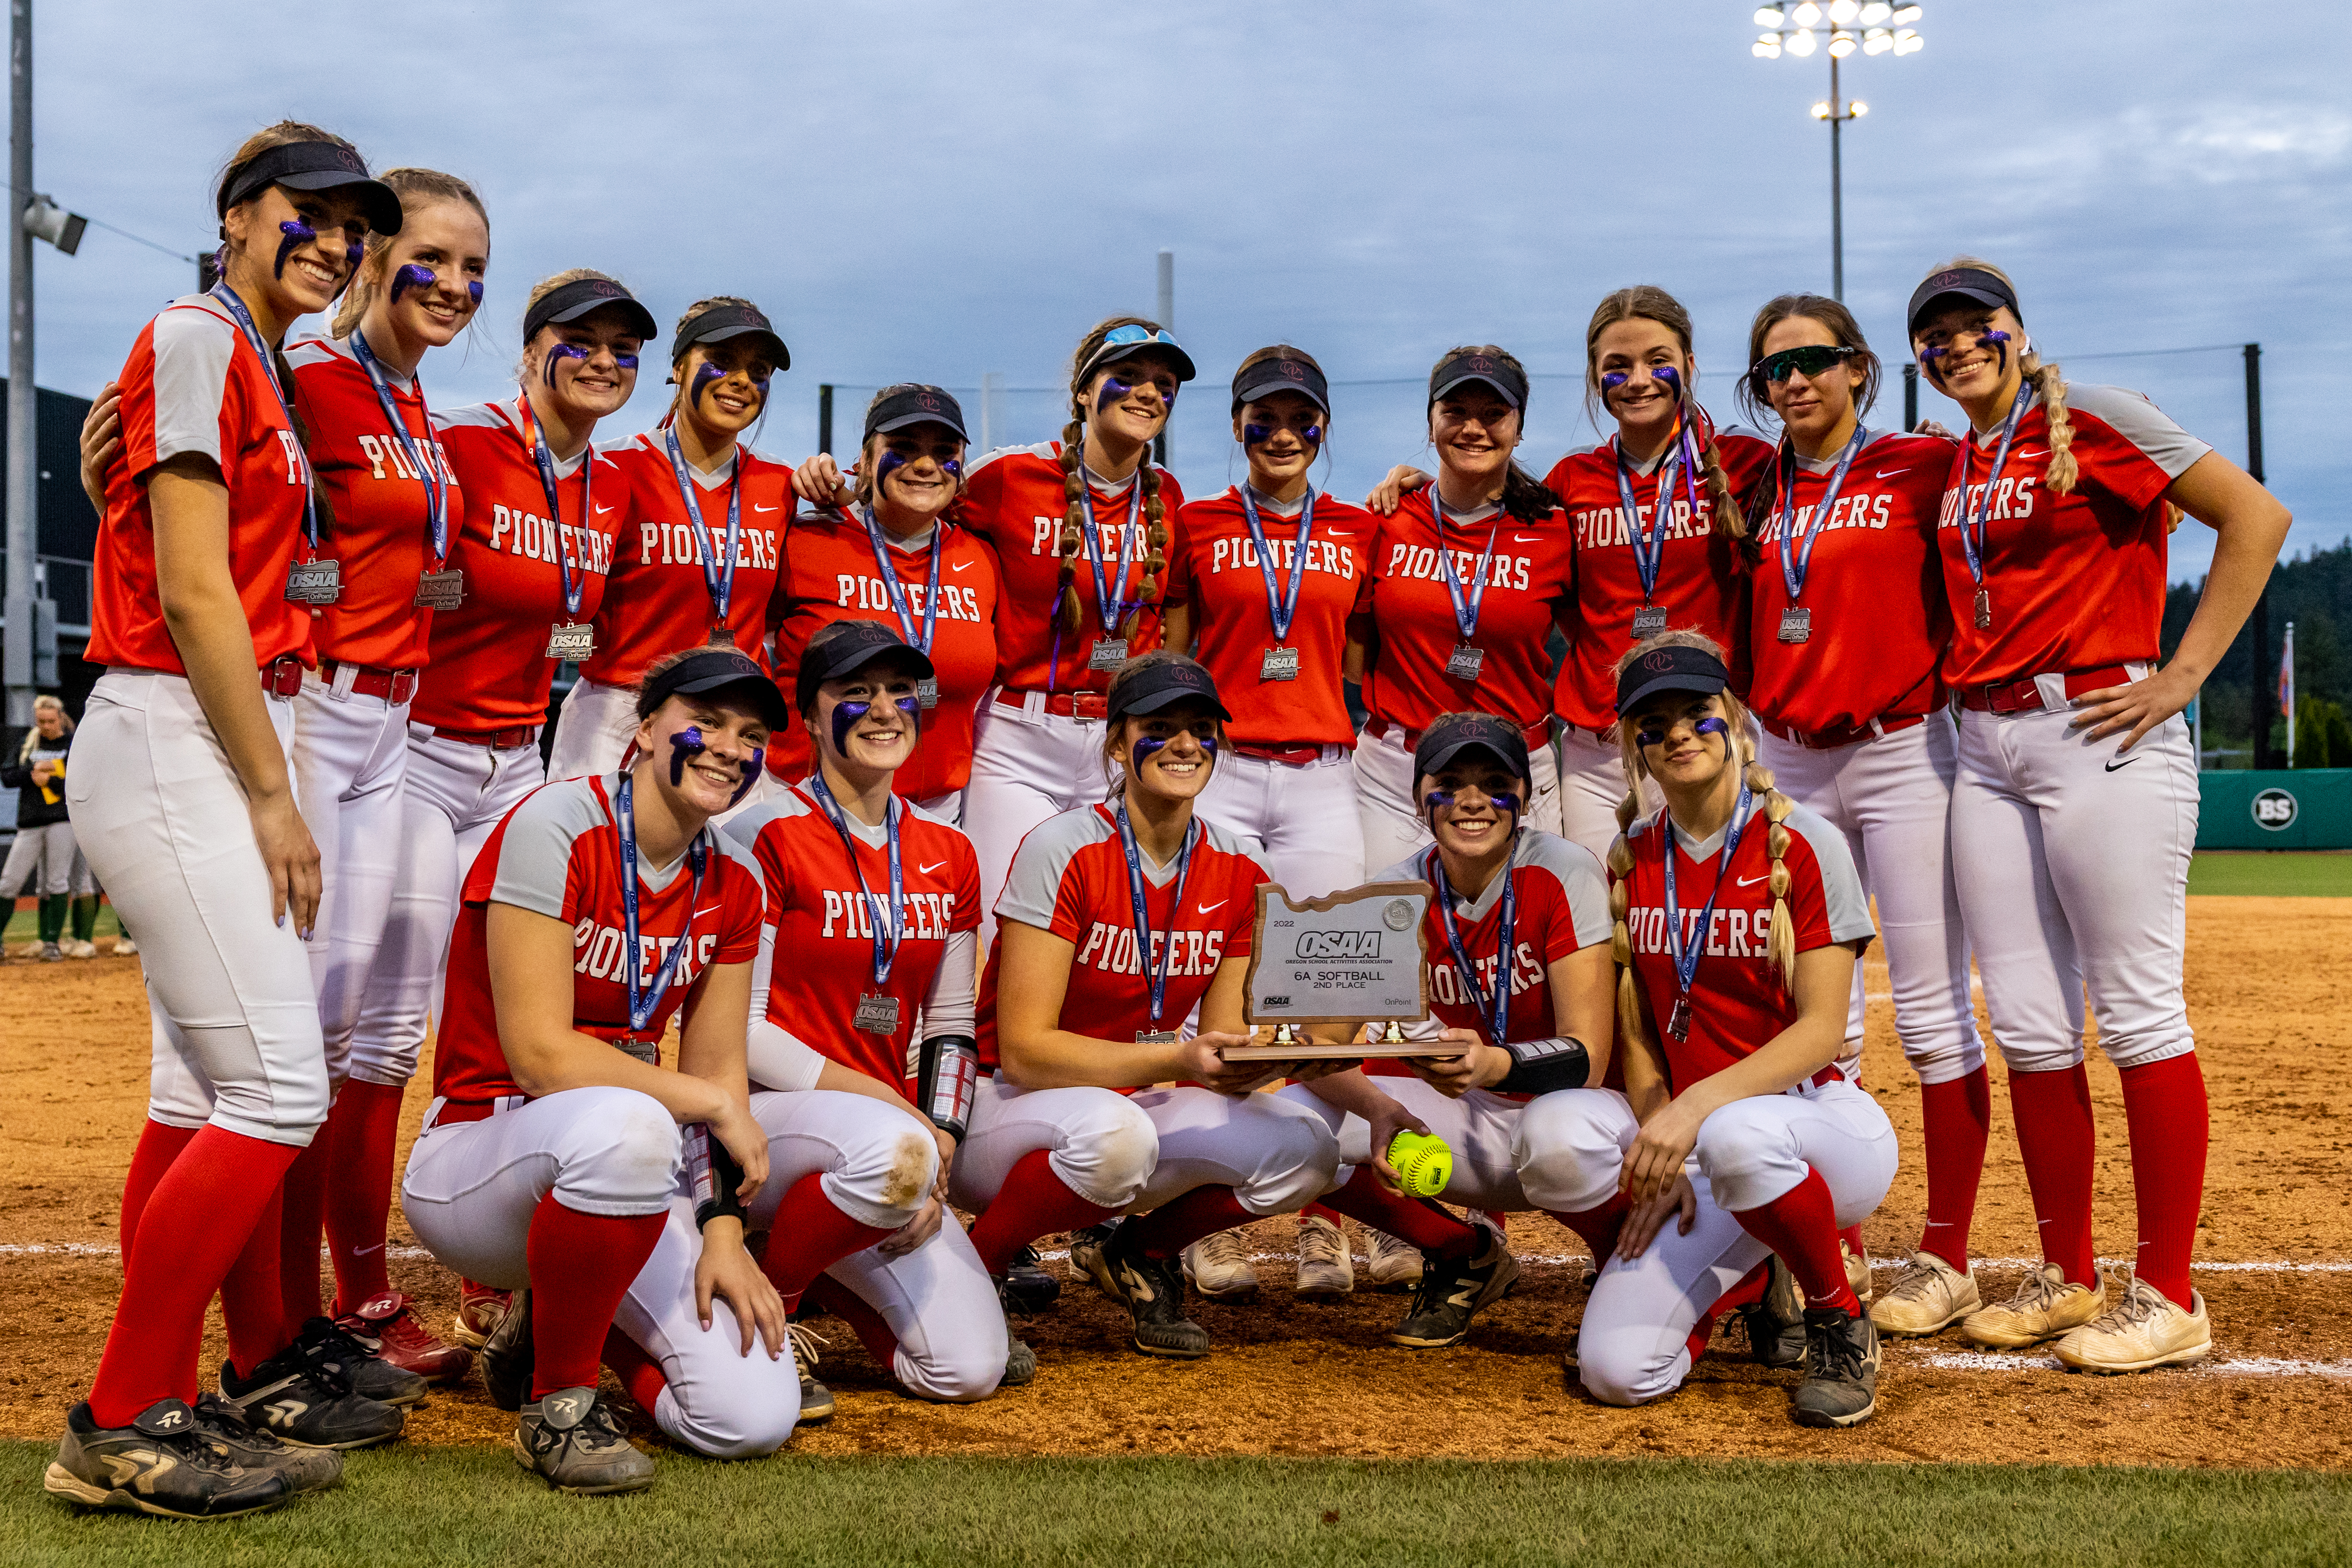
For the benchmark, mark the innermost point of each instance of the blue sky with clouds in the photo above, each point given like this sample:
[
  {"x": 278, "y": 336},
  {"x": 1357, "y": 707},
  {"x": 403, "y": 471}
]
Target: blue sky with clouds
[{"x": 936, "y": 190}]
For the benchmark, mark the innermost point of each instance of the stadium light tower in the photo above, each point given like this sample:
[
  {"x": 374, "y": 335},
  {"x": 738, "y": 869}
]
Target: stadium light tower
[{"x": 1837, "y": 29}]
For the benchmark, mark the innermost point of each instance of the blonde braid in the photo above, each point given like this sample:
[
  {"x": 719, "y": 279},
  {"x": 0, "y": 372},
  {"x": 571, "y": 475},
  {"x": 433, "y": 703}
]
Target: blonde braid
[
  {"x": 1729, "y": 521},
  {"x": 1073, "y": 540},
  {"x": 2051, "y": 383},
  {"x": 1620, "y": 937},
  {"x": 1155, "y": 538},
  {"x": 1781, "y": 941}
]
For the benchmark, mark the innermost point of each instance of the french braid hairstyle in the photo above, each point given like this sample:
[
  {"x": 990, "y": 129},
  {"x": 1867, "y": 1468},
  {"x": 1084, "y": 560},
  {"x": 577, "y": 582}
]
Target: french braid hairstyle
[
  {"x": 2048, "y": 381},
  {"x": 1072, "y": 544},
  {"x": 1781, "y": 940},
  {"x": 417, "y": 189},
  {"x": 1753, "y": 401},
  {"x": 1648, "y": 302},
  {"x": 1524, "y": 499}
]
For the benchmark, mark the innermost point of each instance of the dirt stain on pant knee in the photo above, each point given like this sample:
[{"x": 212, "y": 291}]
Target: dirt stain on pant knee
[{"x": 909, "y": 1172}]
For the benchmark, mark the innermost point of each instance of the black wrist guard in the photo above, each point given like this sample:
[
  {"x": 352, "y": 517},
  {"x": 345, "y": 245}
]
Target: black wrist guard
[
  {"x": 716, "y": 1176},
  {"x": 945, "y": 1082},
  {"x": 1539, "y": 1066}
]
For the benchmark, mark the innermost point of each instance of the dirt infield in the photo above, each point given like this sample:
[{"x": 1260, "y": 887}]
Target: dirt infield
[{"x": 1296, "y": 1377}]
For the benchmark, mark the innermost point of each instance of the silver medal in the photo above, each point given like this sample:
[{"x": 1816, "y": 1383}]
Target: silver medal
[
  {"x": 927, "y": 692},
  {"x": 1280, "y": 664},
  {"x": 571, "y": 641},
  {"x": 1106, "y": 653},
  {"x": 1464, "y": 662},
  {"x": 441, "y": 590},
  {"x": 878, "y": 1014},
  {"x": 1678, "y": 1022},
  {"x": 1796, "y": 624},
  {"x": 314, "y": 583},
  {"x": 1649, "y": 621},
  {"x": 1155, "y": 1036},
  {"x": 1984, "y": 610}
]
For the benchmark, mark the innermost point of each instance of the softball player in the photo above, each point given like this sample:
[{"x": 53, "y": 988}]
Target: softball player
[
  {"x": 876, "y": 904},
  {"x": 698, "y": 541},
  {"x": 552, "y": 1156},
  {"x": 886, "y": 550},
  {"x": 44, "y": 851},
  {"x": 1459, "y": 618},
  {"x": 183, "y": 803},
  {"x": 1737, "y": 1123},
  {"x": 1519, "y": 978},
  {"x": 2071, "y": 847},
  {"x": 1117, "y": 920},
  {"x": 1081, "y": 531},
  {"x": 1845, "y": 638}
]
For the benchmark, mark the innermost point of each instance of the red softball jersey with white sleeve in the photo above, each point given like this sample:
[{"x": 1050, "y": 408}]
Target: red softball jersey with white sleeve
[
  {"x": 559, "y": 854},
  {"x": 490, "y": 668},
  {"x": 1013, "y": 503},
  {"x": 193, "y": 384},
  {"x": 657, "y": 599},
  {"x": 2077, "y": 580},
  {"x": 1739, "y": 1001},
  {"x": 1069, "y": 876},
  {"x": 1875, "y": 640},
  {"x": 1527, "y": 591},
  {"x": 1560, "y": 904},
  {"x": 831, "y": 575},
  {"x": 824, "y": 925},
  {"x": 1216, "y": 574},
  {"x": 1700, "y": 582},
  {"x": 383, "y": 527}
]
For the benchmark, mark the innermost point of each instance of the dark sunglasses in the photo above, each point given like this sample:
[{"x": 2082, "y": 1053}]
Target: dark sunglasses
[{"x": 1810, "y": 360}]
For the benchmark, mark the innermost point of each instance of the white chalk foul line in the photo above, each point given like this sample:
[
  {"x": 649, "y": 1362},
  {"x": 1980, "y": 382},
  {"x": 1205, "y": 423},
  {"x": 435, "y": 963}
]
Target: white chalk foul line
[
  {"x": 108, "y": 1249},
  {"x": 2238, "y": 1366}
]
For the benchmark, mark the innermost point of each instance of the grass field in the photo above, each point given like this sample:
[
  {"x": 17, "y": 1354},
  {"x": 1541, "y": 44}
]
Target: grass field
[{"x": 414, "y": 1505}]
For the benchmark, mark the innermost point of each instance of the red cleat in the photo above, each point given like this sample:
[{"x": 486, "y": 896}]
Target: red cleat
[
  {"x": 388, "y": 1327},
  {"x": 480, "y": 1309}
]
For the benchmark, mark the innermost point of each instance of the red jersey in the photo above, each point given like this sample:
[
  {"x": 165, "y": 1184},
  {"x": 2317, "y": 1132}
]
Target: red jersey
[
  {"x": 193, "y": 384},
  {"x": 830, "y": 574},
  {"x": 383, "y": 535},
  {"x": 1700, "y": 583},
  {"x": 1527, "y": 591},
  {"x": 1215, "y": 572},
  {"x": 1875, "y": 635},
  {"x": 1013, "y": 500},
  {"x": 558, "y": 854},
  {"x": 825, "y": 926},
  {"x": 1069, "y": 876},
  {"x": 1738, "y": 1001},
  {"x": 656, "y": 600},
  {"x": 490, "y": 668},
  {"x": 1561, "y": 903},
  {"x": 2076, "y": 581}
]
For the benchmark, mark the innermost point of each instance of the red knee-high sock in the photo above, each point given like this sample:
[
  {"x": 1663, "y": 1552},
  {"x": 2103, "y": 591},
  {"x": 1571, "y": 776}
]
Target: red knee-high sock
[
  {"x": 1852, "y": 1237},
  {"x": 2165, "y": 1108},
  {"x": 1416, "y": 1220},
  {"x": 1173, "y": 1226},
  {"x": 1959, "y": 1118},
  {"x": 302, "y": 1215},
  {"x": 195, "y": 1220},
  {"x": 1034, "y": 1201},
  {"x": 359, "y": 1134},
  {"x": 253, "y": 1305},
  {"x": 872, "y": 1328},
  {"x": 809, "y": 1235},
  {"x": 581, "y": 1265},
  {"x": 638, "y": 1373},
  {"x": 159, "y": 1145},
  {"x": 2057, "y": 1143},
  {"x": 1598, "y": 1225},
  {"x": 1800, "y": 1225}
]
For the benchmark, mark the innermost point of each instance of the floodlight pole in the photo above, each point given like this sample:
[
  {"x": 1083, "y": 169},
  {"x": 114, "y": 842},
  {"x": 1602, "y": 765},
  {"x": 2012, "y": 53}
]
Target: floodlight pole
[
  {"x": 2265, "y": 676},
  {"x": 24, "y": 465}
]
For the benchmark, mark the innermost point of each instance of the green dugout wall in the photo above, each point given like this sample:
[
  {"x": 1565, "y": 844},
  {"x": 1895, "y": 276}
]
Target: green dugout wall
[{"x": 2301, "y": 808}]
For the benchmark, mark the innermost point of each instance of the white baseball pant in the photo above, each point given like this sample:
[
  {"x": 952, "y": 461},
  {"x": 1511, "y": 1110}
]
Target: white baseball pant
[
  {"x": 350, "y": 754},
  {"x": 47, "y": 857},
  {"x": 1298, "y": 818},
  {"x": 2072, "y": 863},
  {"x": 1393, "y": 823},
  {"x": 1026, "y": 765},
  {"x": 1591, "y": 787},
  {"x": 1509, "y": 1155},
  {"x": 593, "y": 730},
  {"x": 162, "y": 820},
  {"x": 452, "y": 795},
  {"x": 1891, "y": 797}
]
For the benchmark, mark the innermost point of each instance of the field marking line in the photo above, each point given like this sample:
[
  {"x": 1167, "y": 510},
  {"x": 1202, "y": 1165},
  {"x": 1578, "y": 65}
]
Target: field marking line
[{"x": 2237, "y": 1366}]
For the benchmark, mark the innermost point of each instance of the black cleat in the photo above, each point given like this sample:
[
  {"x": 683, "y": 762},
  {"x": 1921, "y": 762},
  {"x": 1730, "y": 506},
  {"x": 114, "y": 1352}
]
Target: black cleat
[
  {"x": 323, "y": 1345},
  {"x": 1086, "y": 1256},
  {"x": 310, "y": 1406},
  {"x": 1020, "y": 1361},
  {"x": 240, "y": 1442},
  {"x": 1153, "y": 1291},
  {"x": 508, "y": 1356},
  {"x": 571, "y": 1438},
  {"x": 1841, "y": 1385},
  {"x": 160, "y": 1464},
  {"x": 1453, "y": 1290},
  {"x": 1776, "y": 1324},
  {"x": 1028, "y": 1289}
]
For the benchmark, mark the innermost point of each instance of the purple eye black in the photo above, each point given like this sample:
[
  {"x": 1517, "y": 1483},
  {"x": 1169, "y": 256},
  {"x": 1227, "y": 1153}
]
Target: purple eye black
[
  {"x": 1711, "y": 725},
  {"x": 626, "y": 362},
  {"x": 415, "y": 277},
  {"x": 683, "y": 747},
  {"x": 703, "y": 376},
  {"x": 562, "y": 350},
  {"x": 1615, "y": 379},
  {"x": 1112, "y": 391},
  {"x": 297, "y": 235},
  {"x": 1256, "y": 435},
  {"x": 474, "y": 290}
]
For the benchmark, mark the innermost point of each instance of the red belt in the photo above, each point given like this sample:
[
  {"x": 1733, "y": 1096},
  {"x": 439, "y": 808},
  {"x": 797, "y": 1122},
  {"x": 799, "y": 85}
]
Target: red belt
[
  {"x": 1843, "y": 734},
  {"x": 1536, "y": 734},
  {"x": 395, "y": 686},
  {"x": 1821, "y": 1079},
  {"x": 1293, "y": 755},
  {"x": 282, "y": 676},
  {"x": 498, "y": 739},
  {"x": 2025, "y": 696},
  {"x": 1068, "y": 704}
]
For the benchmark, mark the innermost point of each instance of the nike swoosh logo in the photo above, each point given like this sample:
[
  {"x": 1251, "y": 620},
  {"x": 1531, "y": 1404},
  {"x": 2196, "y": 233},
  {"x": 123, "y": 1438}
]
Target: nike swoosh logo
[
  {"x": 757, "y": 507},
  {"x": 927, "y": 871},
  {"x": 711, "y": 911},
  {"x": 363, "y": 1251},
  {"x": 1527, "y": 539},
  {"x": 1747, "y": 882},
  {"x": 2125, "y": 763},
  {"x": 1219, "y": 904},
  {"x": 960, "y": 566},
  {"x": 603, "y": 510},
  {"x": 1890, "y": 473}
]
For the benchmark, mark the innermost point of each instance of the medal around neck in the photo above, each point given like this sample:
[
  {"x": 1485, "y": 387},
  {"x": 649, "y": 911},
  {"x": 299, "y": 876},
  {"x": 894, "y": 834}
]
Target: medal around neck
[{"x": 1356, "y": 955}]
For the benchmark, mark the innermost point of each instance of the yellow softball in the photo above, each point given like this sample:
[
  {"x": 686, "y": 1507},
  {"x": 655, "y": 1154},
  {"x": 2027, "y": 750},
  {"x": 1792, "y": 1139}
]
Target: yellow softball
[{"x": 1423, "y": 1161}]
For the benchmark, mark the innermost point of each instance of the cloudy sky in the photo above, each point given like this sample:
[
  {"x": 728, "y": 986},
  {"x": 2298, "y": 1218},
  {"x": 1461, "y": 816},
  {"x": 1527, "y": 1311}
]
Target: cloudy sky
[{"x": 937, "y": 190}]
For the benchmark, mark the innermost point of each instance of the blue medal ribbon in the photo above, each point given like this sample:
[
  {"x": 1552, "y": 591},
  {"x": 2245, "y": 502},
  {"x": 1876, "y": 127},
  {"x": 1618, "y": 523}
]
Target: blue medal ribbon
[
  {"x": 1974, "y": 518},
  {"x": 1108, "y": 604},
  {"x": 1493, "y": 1016},
  {"x": 1649, "y": 543},
  {"x": 1795, "y": 565},
  {"x": 572, "y": 587},
  {"x": 698, "y": 855},
  {"x": 888, "y": 571},
  {"x": 719, "y": 580},
  {"x": 1465, "y": 616},
  {"x": 1281, "y": 606},
  {"x": 245, "y": 323},
  {"x": 1686, "y": 964},
  {"x": 1155, "y": 974},
  {"x": 886, "y": 949},
  {"x": 437, "y": 494}
]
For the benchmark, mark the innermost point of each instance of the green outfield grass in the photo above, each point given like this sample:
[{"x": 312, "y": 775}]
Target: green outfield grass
[
  {"x": 23, "y": 925},
  {"x": 417, "y": 1506},
  {"x": 2272, "y": 874}
]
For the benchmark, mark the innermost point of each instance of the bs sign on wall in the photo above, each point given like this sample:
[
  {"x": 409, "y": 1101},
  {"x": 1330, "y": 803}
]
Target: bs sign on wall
[{"x": 2274, "y": 809}]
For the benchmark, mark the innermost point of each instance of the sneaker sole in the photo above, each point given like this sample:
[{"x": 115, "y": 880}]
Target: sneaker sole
[
  {"x": 342, "y": 1447},
  {"x": 1237, "y": 1294},
  {"x": 522, "y": 1458},
  {"x": 61, "y": 1482},
  {"x": 2189, "y": 1357},
  {"x": 1169, "y": 1353},
  {"x": 1323, "y": 1293},
  {"x": 816, "y": 1415},
  {"x": 1996, "y": 1341},
  {"x": 1819, "y": 1418},
  {"x": 1900, "y": 1331},
  {"x": 1413, "y": 1345}
]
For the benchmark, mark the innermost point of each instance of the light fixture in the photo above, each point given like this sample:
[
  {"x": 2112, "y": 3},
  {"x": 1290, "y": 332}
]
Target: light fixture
[
  {"x": 1856, "y": 108},
  {"x": 1877, "y": 41},
  {"x": 1822, "y": 109},
  {"x": 1771, "y": 16},
  {"x": 1843, "y": 43},
  {"x": 1767, "y": 48},
  {"x": 1844, "y": 11},
  {"x": 44, "y": 219},
  {"x": 1906, "y": 15},
  {"x": 1906, "y": 42},
  {"x": 1876, "y": 13},
  {"x": 1800, "y": 42},
  {"x": 1806, "y": 15}
]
